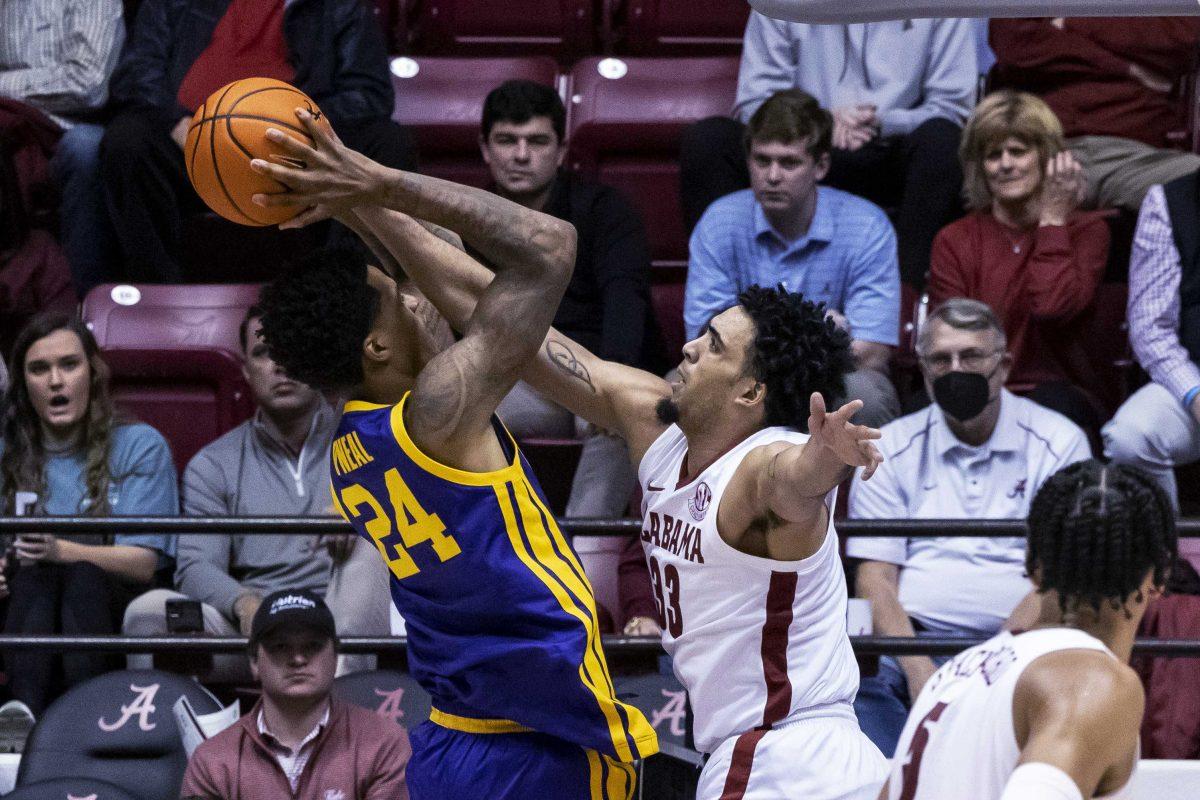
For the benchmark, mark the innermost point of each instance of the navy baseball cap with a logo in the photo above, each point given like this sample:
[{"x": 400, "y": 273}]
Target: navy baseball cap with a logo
[{"x": 291, "y": 609}]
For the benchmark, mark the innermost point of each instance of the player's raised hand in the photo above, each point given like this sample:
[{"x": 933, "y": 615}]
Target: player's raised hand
[
  {"x": 852, "y": 444},
  {"x": 327, "y": 174}
]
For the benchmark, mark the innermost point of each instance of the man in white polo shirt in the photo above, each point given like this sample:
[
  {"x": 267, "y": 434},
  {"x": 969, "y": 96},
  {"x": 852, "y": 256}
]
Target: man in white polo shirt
[{"x": 977, "y": 451}]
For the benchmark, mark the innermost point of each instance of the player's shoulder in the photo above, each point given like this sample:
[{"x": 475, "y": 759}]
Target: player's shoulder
[{"x": 1083, "y": 685}]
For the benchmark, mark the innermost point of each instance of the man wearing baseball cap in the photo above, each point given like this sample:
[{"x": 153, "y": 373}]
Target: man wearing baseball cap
[{"x": 298, "y": 741}]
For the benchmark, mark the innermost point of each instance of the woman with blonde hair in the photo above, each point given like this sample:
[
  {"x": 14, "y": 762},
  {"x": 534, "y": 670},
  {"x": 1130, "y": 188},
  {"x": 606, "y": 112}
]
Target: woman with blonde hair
[{"x": 1026, "y": 249}]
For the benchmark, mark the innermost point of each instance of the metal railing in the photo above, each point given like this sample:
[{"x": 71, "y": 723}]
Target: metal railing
[
  {"x": 615, "y": 645},
  {"x": 907, "y": 528}
]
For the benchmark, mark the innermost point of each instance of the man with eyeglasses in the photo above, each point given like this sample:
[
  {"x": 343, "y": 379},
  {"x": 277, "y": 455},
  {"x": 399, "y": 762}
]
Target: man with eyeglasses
[{"x": 978, "y": 451}]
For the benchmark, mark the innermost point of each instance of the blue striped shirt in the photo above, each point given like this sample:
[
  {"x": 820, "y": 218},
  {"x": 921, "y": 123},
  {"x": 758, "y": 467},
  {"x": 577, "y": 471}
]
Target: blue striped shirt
[{"x": 847, "y": 260}]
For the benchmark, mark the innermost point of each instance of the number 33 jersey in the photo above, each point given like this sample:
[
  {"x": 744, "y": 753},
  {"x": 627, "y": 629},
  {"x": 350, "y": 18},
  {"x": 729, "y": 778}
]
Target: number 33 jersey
[
  {"x": 754, "y": 641},
  {"x": 500, "y": 617}
]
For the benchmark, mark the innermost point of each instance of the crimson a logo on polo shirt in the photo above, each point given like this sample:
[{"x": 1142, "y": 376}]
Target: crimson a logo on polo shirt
[{"x": 699, "y": 503}]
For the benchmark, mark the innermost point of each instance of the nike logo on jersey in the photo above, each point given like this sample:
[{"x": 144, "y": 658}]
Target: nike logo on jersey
[{"x": 650, "y": 487}]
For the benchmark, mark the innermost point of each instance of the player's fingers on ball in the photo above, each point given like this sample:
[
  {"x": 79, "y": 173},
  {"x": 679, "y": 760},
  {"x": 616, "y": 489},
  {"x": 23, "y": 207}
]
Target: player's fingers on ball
[
  {"x": 276, "y": 199},
  {"x": 289, "y": 143}
]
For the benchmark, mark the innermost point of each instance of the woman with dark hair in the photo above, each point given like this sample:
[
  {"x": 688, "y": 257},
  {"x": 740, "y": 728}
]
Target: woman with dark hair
[{"x": 64, "y": 451}]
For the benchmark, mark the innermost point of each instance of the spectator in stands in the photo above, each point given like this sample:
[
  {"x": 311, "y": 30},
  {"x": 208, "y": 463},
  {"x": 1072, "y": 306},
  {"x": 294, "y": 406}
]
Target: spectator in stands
[
  {"x": 298, "y": 741},
  {"x": 34, "y": 274},
  {"x": 1117, "y": 86},
  {"x": 274, "y": 464},
  {"x": 66, "y": 452},
  {"x": 831, "y": 246},
  {"x": 977, "y": 452},
  {"x": 899, "y": 92},
  {"x": 180, "y": 51},
  {"x": 57, "y": 56},
  {"x": 1158, "y": 427},
  {"x": 607, "y": 304},
  {"x": 1025, "y": 250}
]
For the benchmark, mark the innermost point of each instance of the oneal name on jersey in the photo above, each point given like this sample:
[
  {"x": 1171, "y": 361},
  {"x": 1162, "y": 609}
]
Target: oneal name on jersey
[
  {"x": 673, "y": 535},
  {"x": 349, "y": 454}
]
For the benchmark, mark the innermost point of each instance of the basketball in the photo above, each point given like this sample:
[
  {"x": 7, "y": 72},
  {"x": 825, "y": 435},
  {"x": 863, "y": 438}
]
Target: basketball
[{"x": 228, "y": 131}]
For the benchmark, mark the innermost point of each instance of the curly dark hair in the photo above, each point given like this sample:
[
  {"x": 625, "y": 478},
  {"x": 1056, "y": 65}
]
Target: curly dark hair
[
  {"x": 796, "y": 352},
  {"x": 316, "y": 315},
  {"x": 1095, "y": 530}
]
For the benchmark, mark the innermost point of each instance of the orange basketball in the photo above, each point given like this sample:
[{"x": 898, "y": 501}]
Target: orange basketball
[{"x": 229, "y": 130}]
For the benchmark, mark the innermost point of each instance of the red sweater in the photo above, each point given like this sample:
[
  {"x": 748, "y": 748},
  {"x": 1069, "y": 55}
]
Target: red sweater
[
  {"x": 358, "y": 756},
  {"x": 1082, "y": 71},
  {"x": 1038, "y": 292}
]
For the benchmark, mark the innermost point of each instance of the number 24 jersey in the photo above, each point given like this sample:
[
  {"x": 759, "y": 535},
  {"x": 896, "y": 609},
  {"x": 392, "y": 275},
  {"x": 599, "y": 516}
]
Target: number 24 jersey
[{"x": 500, "y": 617}]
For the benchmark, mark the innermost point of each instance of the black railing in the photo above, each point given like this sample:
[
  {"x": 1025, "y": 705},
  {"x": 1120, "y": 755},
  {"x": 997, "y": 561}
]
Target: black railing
[
  {"x": 613, "y": 645},
  {"x": 908, "y": 528}
]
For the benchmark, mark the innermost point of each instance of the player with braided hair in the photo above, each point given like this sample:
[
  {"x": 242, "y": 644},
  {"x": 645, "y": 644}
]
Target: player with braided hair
[{"x": 1052, "y": 713}]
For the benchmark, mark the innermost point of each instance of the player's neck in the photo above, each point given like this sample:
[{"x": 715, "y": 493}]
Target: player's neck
[
  {"x": 1116, "y": 628},
  {"x": 705, "y": 446}
]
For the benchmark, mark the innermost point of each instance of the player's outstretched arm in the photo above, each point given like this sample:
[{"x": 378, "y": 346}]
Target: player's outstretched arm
[
  {"x": 610, "y": 395},
  {"x": 1076, "y": 716},
  {"x": 786, "y": 485}
]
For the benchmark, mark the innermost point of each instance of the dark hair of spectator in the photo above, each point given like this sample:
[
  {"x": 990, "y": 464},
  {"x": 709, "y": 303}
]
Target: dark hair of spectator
[
  {"x": 796, "y": 352},
  {"x": 316, "y": 315},
  {"x": 22, "y": 466},
  {"x": 252, "y": 312},
  {"x": 792, "y": 115},
  {"x": 14, "y": 222},
  {"x": 1096, "y": 530},
  {"x": 519, "y": 101}
]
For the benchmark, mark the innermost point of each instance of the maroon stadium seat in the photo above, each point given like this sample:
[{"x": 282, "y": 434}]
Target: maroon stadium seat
[
  {"x": 174, "y": 356},
  {"x": 674, "y": 27},
  {"x": 666, "y": 295},
  {"x": 625, "y": 130},
  {"x": 441, "y": 100},
  {"x": 203, "y": 316},
  {"x": 564, "y": 29}
]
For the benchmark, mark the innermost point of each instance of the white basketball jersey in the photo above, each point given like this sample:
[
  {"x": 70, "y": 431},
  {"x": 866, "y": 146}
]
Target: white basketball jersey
[
  {"x": 754, "y": 641},
  {"x": 960, "y": 731}
]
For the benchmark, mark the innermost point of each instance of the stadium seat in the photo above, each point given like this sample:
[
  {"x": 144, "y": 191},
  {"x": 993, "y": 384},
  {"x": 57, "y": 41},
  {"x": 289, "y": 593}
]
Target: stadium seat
[
  {"x": 190, "y": 396},
  {"x": 174, "y": 355},
  {"x": 391, "y": 694},
  {"x": 667, "y": 281},
  {"x": 625, "y": 122},
  {"x": 72, "y": 789},
  {"x": 118, "y": 727},
  {"x": 203, "y": 316},
  {"x": 564, "y": 29},
  {"x": 674, "y": 27},
  {"x": 441, "y": 101}
]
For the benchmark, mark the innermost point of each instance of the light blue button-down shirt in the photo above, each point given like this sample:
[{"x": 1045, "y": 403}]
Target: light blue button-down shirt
[{"x": 847, "y": 260}]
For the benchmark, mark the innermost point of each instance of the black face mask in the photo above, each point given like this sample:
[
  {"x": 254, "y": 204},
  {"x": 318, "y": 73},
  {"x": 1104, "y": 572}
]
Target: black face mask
[{"x": 962, "y": 395}]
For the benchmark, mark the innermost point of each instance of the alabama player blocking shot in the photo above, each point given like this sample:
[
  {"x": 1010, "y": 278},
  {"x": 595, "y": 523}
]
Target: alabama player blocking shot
[
  {"x": 1052, "y": 713},
  {"x": 738, "y": 502}
]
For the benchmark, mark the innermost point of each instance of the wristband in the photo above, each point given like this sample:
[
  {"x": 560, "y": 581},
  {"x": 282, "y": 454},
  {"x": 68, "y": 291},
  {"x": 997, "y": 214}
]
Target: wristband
[{"x": 1190, "y": 396}]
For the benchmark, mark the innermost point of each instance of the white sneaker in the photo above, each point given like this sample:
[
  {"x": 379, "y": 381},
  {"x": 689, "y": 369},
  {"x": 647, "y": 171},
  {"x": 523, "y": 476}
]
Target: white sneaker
[{"x": 16, "y": 722}]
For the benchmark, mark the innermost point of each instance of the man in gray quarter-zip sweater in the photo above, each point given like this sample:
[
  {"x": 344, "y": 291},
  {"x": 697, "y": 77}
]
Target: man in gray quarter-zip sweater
[{"x": 274, "y": 464}]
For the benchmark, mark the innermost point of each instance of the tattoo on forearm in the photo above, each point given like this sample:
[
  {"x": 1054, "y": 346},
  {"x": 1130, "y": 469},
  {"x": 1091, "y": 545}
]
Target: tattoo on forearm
[{"x": 564, "y": 358}]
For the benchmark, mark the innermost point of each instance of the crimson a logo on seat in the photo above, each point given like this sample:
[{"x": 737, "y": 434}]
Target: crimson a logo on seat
[{"x": 699, "y": 503}]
